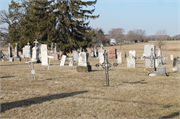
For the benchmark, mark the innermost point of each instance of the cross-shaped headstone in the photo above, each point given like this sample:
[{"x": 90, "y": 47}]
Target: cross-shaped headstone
[
  {"x": 105, "y": 66},
  {"x": 36, "y": 42},
  {"x": 31, "y": 64},
  {"x": 152, "y": 58}
]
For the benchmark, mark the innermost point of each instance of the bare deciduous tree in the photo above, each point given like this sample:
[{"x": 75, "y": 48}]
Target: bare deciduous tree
[
  {"x": 117, "y": 33},
  {"x": 160, "y": 38},
  {"x": 136, "y": 34}
]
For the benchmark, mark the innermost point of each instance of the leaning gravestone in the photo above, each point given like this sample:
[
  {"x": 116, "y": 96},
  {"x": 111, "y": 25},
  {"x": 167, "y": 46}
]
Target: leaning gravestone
[
  {"x": 147, "y": 53},
  {"x": 119, "y": 57},
  {"x": 27, "y": 51},
  {"x": 71, "y": 61},
  {"x": 113, "y": 53},
  {"x": 83, "y": 63},
  {"x": 63, "y": 60},
  {"x": 35, "y": 55},
  {"x": 100, "y": 54},
  {"x": 44, "y": 58}
]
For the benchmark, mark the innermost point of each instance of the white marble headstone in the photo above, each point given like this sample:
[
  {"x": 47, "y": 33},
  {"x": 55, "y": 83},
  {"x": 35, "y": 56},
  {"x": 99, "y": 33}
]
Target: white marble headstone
[
  {"x": 44, "y": 58},
  {"x": 63, "y": 60},
  {"x": 131, "y": 62},
  {"x": 132, "y": 53},
  {"x": 171, "y": 57},
  {"x": 83, "y": 59},
  {"x": 119, "y": 57}
]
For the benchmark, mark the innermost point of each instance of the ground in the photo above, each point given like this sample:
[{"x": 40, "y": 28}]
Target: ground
[{"x": 62, "y": 92}]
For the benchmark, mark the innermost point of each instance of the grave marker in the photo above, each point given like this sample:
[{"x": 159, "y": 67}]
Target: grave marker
[{"x": 63, "y": 60}]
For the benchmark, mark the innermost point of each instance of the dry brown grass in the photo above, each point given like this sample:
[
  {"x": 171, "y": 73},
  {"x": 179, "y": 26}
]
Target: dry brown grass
[{"x": 64, "y": 93}]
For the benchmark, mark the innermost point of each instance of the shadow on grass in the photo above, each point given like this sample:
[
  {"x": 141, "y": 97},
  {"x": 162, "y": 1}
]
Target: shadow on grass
[
  {"x": 7, "y": 76},
  {"x": 36, "y": 100},
  {"x": 171, "y": 115},
  {"x": 136, "y": 82}
]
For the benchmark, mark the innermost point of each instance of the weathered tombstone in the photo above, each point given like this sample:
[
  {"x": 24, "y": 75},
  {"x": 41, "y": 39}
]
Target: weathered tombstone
[
  {"x": 119, "y": 57},
  {"x": 100, "y": 54},
  {"x": 35, "y": 55},
  {"x": 16, "y": 55},
  {"x": 161, "y": 71},
  {"x": 70, "y": 61},
  {"x": 176, "y": 64},
  {"x": 76, "y": 56},
  {"x": 171, "y": 57},
  {"x": 9, "y": 50},
  {"x": 131, "y": 62},
  {"x": 83, "y": 63},
  {"x": 27, "y": 51},
  {"x": 147, "y": 53},
  {"x": 113, "y": 53},
  {"x": 63, "y": 60},
  {"x": 44, "y": 58}
]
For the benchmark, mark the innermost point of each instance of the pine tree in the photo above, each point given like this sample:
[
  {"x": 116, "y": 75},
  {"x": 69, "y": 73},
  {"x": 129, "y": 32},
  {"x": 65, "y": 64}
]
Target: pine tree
[
  {"x": 39, "y": 23},
  {"x": 72, "y": 31}
]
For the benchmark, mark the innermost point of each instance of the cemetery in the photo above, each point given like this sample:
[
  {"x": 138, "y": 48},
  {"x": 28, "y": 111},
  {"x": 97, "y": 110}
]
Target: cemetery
[{"x": 40, "y": 83}]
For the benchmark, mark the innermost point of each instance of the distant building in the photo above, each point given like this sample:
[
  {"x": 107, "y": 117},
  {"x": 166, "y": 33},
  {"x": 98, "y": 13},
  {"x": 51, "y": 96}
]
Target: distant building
[{"x": 112, "y": 41}]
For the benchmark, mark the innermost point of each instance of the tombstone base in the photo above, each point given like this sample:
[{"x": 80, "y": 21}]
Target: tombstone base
[
  {"x": 83, "y": 68},
  {"x": 151, "y": 74},
  {"x": 148, "y": 69}
]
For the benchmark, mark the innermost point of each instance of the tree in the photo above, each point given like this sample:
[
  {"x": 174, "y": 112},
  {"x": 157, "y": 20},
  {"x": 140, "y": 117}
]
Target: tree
[
  {"x": 99, "y": 36},
  {"x": 117, "y": 33},
  {"x": 73, "y": 31},
  {"x": 136, "y": 34},
  {"x": 160, "y": 38}
]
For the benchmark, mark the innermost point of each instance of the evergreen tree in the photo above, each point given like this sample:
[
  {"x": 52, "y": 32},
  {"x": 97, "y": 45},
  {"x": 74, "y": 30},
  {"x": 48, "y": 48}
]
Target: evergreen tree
[{"x": 72, "y": 30}]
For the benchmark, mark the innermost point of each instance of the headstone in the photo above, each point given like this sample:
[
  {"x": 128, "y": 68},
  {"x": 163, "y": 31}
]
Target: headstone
[
  {"x": 71, "y": 61},
  {"x": 27, "y": 51},
  {"x": 176, "y": 64},
  {"x": 44, "y": 58},
  {"x": 63, "y": 60},
  {"x": 16, "y": 55},
  {"x": 55, "y": 49},
  {"x": 161, "y": 71},
  {"x": 9, "y": 50},
  {"x": 112, "y": 53},
  {"x": 147, "y": 53},
  {"x": 100, "y": 54},
  {"x": 55, "y": 56},
  {"x": 171, "y": 57},
  {"x": 11, "y": 59},
  {"x": 131, "y": 62},
  {"x": 119, "y": 57},
  {"x": 92, "y": 52},
  {"x": 132, "y": 53},
  {"x": 83, "y": 63},
  {"x": 35, "y": 55},
  {"x": 159, "y": 55},
  {"x": 76, "y": 56}
]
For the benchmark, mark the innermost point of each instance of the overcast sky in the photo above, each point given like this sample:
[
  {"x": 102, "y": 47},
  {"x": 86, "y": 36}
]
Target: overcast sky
[{"x": 149, "y": 15}]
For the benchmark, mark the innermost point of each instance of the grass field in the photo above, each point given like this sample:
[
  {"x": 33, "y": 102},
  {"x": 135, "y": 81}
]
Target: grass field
[{"x": 62, "y": 92}]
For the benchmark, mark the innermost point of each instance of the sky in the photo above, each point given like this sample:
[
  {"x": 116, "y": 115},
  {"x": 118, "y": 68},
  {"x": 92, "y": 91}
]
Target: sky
[{"x": 149, "y": 15}]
